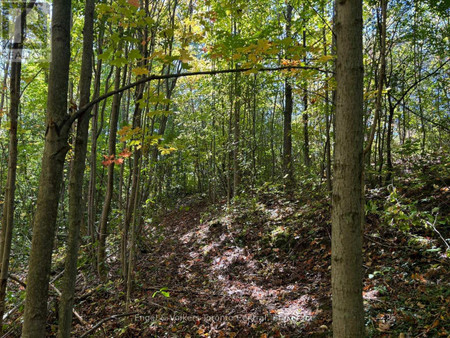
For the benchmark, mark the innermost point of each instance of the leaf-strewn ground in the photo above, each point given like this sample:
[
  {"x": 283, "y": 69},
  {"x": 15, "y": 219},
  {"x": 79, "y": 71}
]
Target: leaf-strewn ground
[{"x": 261, "y": 268}]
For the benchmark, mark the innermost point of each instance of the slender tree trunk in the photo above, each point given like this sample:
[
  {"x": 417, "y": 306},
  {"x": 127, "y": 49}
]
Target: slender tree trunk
[
  {"x": 103, "y": 228},
  {"x": 381, "y": 77},
  {"x": 390, "y": 166},
  {"x": 3, "y": 89},
  {"x": 95, "y": 133},
  {"x": 272, "y": 135},
  {"x": 131, "y": 250},
  {"x": 347, "y": 212},
  {"x": 382, "y": 133},
  {"x": 287, "y": 121},
  {"x": 229, "y": 148},
  {"x": 254, "y": 143},
  {"x": 76, "y": 204},
  {"x": 8, "y": 206},
  {"x": 55, "y": 150},
  {"x": 236, "y": 137},
  {"x": 305, "y": 115},
  {"x": 134, "y": 188},
  {"x": 327, "y": 120}
]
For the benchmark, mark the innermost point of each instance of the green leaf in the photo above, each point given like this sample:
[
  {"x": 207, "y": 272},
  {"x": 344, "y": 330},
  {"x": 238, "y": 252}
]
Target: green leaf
[
  {"x": 135, "y": 54},
  {"x": 119, "y": 62}
]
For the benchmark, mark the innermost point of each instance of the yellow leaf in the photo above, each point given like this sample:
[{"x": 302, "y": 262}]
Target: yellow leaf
[
  {"x": 251, "y": 71},
  {"x": 140, "y": 71},
  {"x": 325, "y": 58},
  {"x": 184, "y": 56}
]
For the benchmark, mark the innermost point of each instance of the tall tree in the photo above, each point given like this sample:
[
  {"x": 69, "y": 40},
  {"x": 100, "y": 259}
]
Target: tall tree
[
  {"x": 288, "y": 107},
  {"x": 347, "y": 212},
  {"x": 381, "y": 76},
  {"x": 51, "y": 177},
  {"x": 305, "y": 114},
  {"x": 8, "y": 207},
  {"x": 76, "y": 178},
  {"x": 103, "y": 227}
]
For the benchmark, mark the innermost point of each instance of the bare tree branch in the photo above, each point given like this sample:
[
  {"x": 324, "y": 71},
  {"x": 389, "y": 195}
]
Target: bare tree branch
[{"x": 146, "y": 79}]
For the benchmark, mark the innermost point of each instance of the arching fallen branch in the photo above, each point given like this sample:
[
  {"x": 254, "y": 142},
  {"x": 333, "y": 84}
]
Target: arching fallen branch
[{"x": 146, "y": 79}]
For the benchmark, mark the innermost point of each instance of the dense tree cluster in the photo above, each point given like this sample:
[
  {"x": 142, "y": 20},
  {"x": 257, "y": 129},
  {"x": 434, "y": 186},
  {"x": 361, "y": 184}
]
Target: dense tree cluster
[{"x": 142, "y": 103}]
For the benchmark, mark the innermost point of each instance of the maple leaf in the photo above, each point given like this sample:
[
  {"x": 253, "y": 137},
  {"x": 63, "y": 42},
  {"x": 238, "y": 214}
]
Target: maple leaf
[
  {"x": 108, "y": 160},
  {"x": 325, "y": 58},
  {"x": 140, "y": 71},
  {"x": 125, "y": 153},
  {"x": 118, "y": 161}
]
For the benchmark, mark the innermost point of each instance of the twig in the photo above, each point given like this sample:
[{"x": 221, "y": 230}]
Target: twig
[
  {"x": 14, "y": 309},
  {"x": 434, "y": 228},
  {"x": 156, "y": 288},
  {"x": 104, "y": 320},
  {"x": 82, "y": 321},
  {"x": 392, "y": 246},
  {"x": 17, "y": 280}
]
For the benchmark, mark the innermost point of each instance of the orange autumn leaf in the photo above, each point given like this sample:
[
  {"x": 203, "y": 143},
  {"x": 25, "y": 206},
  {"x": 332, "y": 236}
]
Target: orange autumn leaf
[
  {"x": 134, "y": 3},
  {"x": 125, "y": 153}
]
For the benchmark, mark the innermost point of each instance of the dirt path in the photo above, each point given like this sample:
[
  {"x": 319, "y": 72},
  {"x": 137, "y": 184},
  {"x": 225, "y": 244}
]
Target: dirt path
[
  {"x": 221, "y": 285},
  {"x": 262, "y": 270}
]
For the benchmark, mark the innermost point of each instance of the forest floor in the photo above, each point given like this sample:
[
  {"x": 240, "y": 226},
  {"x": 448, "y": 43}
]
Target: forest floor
[{"x": 261, "y": 268}]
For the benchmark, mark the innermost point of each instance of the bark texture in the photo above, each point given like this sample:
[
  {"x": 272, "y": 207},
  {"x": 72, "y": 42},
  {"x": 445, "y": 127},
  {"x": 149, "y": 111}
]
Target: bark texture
[
  {"x": 76, "y": 178},
  {"x": 347, "y": 212},
  {"x": 50, "y": 180},
  {"x": 8, "y": 207},
  {"x": 103, "y": 229},
  {"x": 287, "y": 116}
]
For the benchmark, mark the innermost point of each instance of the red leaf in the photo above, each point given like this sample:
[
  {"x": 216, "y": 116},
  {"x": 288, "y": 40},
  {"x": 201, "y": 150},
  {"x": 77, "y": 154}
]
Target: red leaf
[
  {"x": 134, "y": 3},
  {"x": 107, "y": 162},
  {"x": 125, "y": 153}
]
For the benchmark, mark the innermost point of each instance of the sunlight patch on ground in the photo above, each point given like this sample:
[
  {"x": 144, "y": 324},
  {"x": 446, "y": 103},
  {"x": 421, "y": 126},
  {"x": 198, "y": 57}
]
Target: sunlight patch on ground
[
  {"x": 297, "y": 310},
  {"x": 199, "y": 234},
  {"x": 371, "y": 295},
  {"x": 230, "y": 256},
  {"x": 238, "y": 274}
]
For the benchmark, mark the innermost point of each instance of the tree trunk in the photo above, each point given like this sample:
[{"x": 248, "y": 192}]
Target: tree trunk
[
  {"x": 236, "y": 137},
  {"x": 8, "y": 206},
  {"x": 305, "y": 114},
  {"x": 95, "y": 133},
  {"x": 381, "y": 76},
  {"x": 134, "y": 188},
  {"x": 347, "y": 212},
  {"x": 55, "y": 150},
  {"x": 327, "y": 119},
  {"x": 76, "y": 178},
  {"x": 272, "y": 136},
  {"x": 4, "y": 83},
  {"x": 390, "y": 166},
  {"x": 287, "y": 121},
  {"x": 103, "y": 228}
]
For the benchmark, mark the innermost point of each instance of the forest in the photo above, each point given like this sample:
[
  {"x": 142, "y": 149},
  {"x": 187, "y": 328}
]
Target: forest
[{"x": 225, "y": 168}]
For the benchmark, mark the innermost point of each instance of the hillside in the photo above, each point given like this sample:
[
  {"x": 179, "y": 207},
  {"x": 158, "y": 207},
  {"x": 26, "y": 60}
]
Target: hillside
[{"x": 261, "y": 267}]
